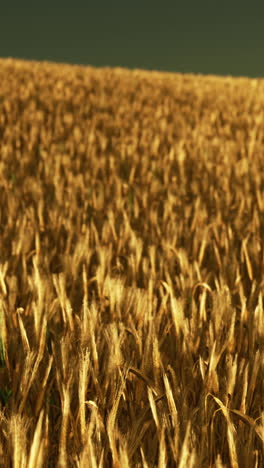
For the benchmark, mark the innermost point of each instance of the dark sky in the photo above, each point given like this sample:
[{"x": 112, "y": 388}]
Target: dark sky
[{"x": 198, "y": 36}]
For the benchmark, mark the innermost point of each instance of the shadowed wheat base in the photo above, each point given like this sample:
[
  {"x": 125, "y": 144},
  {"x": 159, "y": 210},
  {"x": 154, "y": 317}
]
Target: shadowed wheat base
[{"x": 131, "y": 265}]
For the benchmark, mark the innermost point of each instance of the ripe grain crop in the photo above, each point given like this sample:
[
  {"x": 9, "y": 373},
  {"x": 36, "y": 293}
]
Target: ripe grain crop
[{"x": 131, "y": 268}]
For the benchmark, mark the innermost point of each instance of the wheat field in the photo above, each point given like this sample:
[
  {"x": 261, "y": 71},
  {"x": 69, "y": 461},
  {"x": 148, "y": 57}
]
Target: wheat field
[{"x": 131, "y": 268}]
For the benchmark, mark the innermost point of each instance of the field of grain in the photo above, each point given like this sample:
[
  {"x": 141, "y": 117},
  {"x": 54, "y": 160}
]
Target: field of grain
[{"x": 131, "y": 268}]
